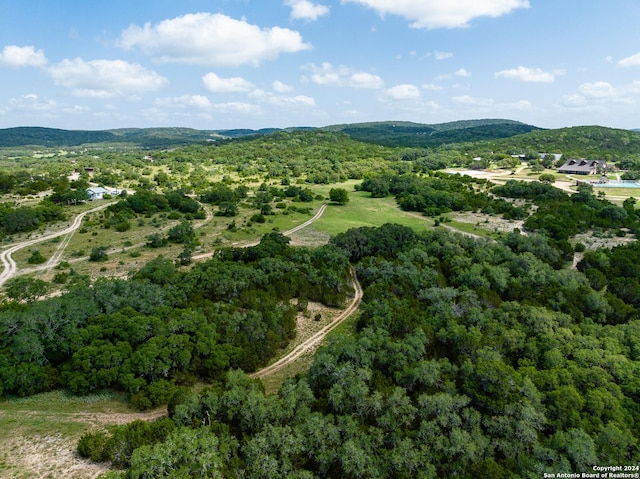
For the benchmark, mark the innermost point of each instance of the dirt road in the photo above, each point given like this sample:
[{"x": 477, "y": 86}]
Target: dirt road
[
  {"x": 10, "y": 267},
  {"x": 317, "y": 338}
]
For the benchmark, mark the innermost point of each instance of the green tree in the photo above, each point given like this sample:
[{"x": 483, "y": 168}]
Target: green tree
[
  {"x": 339, "y": 196},
  {"x": 99, "y": 253},
  {"x": 25, "y": 288},
  {"x": 36, "y": 257}
]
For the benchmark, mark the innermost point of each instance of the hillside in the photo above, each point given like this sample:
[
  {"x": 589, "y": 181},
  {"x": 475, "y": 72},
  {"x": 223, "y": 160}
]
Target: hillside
[
  {"x": 51, "y": 137},
  {"x": 422, "y": 135},
  {"x": 404, "y": 134},
  {"x": 583, "y": 141}
]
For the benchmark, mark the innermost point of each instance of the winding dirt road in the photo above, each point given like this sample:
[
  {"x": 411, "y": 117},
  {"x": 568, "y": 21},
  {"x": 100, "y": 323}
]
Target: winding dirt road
[
  {"x": 10, "y": 267},
  {"x": 317, "y": 338}
]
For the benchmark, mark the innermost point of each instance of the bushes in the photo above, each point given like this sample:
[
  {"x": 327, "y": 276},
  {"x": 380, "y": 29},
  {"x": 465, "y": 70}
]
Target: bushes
[{"x": 119, "y": 445}]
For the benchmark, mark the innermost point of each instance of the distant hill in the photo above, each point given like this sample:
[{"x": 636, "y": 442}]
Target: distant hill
[
  {"x": 136, "y": 137},
  {"x": 410, "y": 134},
  {"x": 489, "y": 134},
  {"x": 578, "y": 141},
  {"x": 51, "y": 137}
]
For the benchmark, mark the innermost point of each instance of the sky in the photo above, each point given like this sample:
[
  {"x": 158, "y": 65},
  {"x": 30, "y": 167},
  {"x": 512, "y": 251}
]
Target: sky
[{"x": 222, "y": 64}]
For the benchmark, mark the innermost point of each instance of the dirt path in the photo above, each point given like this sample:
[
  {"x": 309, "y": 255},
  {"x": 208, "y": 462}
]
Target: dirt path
[
  {"x": 10, "y": 267},
  {"x": 317, "y": 338},
  {"x": 286, "y": 233}
]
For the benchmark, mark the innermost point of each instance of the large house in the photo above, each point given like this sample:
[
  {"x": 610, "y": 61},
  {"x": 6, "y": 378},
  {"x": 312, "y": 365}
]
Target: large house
[{"x": 583, "y": 167}]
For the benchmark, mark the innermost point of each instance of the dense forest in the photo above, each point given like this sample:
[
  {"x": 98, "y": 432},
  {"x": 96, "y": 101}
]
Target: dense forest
[
  {"x": 469, "y": 359},
  {"x": 164, "y": 326}
]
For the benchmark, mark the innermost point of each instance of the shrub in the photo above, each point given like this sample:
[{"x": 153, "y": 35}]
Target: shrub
[
  {"x": 36, "y": 257},
  {"x": 99, "y": 253}
]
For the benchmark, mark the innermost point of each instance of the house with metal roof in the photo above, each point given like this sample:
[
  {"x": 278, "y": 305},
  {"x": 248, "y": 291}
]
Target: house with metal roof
[{"x": 583, "y": 167}]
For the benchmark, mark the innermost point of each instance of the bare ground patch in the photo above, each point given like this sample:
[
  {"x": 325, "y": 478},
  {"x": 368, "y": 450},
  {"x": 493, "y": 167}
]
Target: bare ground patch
[{"x": 488, "y": 222}]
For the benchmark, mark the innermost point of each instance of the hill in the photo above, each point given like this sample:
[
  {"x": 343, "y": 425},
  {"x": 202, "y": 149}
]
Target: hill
[
  {"x": 410, "y": 134},
  {"x": 405, "y": 134},
  {"x": 51, "y": 137},
  {"x": 582, "y": 141}
]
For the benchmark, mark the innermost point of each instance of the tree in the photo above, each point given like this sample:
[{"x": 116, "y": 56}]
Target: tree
[
  {"x": 99, "y": 253},
  {"x": 24, "y": 288},
  {"x": 36, "y": 257},
  {"x": 339, "y": 196},
  {"x": 547, "y": 178},
  {"x": 181, "y": 233}
]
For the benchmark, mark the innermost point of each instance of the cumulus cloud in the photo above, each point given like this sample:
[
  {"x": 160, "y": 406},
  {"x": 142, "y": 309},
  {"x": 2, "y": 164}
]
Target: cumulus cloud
[
  {"x": 283, "y": 100},
  {"x": 306, "y": 10},
  {"x": 600, "y": 89},
  {"x": 215, "y": 84},
  {"x": 237, "y": 107},
  {"x": 327, "y": 74},
  {"x": 185, "y": 101},
  {"x": 105, "y": 78},
  {"x": 211, "y": 39},
  {"x": 462, "y": 73},
  {"x": 432, "y": 14},
  {"x": 632, "y": 61},
  {"x": 403, "y": 92},
  {"x": 281, "y": 87},
  {"x": 16, "y": 57},
  {"x": 534, "y": 75},
  {"x": 480, "y": 105},
  {"x": 431, "y": 86}
]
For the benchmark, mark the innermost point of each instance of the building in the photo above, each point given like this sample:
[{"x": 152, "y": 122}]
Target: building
[
  {"x": 96, "y": 193},
  {"x": 583, "y": 167}
]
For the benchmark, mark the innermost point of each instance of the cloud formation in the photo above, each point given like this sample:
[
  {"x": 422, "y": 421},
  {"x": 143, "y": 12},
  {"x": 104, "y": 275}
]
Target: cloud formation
[
  {"x": 185, "y": 101},
  {"x": 306, "y": 10},
  {"x": 105, "y": 78},
  {"x": 632, "y": 61},
  {"x": 327, "y": 74},
  {"x": 211, "y": 39},
  {"x": 533, "y": 75},
  {"x": 403, "y": 92},
  {"x": 15, "y": 56},
  {"x": 215, "y": 84},
  {"x": 433, "y": 14}
]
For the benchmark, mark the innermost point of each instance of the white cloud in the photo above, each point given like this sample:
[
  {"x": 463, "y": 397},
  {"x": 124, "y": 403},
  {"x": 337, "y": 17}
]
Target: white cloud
[
  {"x": 403, "y": 92},
  {"x": 534, "y": 75},
  {"x": 442, "y": 55},
  {"x": 601, "y": 96},
  {"x": 462, "y": 73},
  {"x": 601, "y": 89},
  {"x": 431, "y": 87},
  {"x": 211, "y": 39},
  {"x": 237, "y": 107},
  {"x": 488, "y": 105},
  {"x": 442, "y": 13},
  {"x": 343, "y": 76},
  {"x": 306, "y": 10},
  {"x": 282, "y": 100},
  {"x": 215, "y": 84},
  {"x": 184, "y": 101},
  {"x": 632, "y": 61},
  {"x": 280, "y": 87},
  {"x": 105, "y": 78},
  {"x": 15, "y": 56}
]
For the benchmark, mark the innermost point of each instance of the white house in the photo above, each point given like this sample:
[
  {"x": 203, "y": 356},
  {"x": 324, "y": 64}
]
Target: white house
[{"x": 96, "y": 193}]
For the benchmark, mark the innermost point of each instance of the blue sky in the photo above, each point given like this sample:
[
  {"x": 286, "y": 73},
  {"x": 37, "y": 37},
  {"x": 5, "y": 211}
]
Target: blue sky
[{"x": 79, "y": 64}]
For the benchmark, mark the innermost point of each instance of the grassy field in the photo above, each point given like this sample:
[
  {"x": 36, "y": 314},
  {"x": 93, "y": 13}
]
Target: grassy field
[{"x": 40, "y": 433}]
